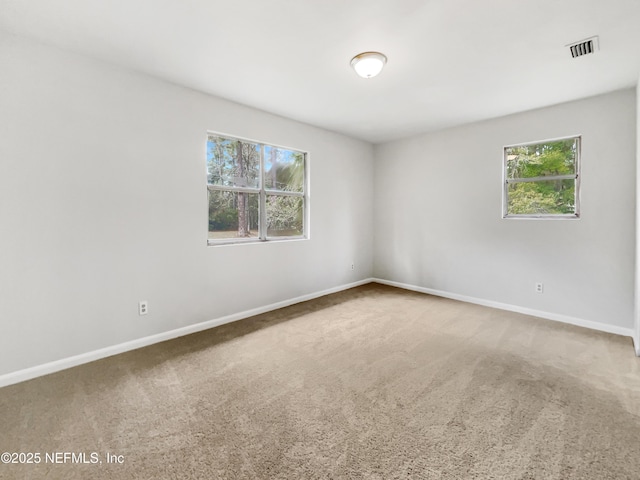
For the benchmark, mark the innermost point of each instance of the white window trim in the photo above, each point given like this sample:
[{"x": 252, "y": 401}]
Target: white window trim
[
  {"x": 263, "y": 192},
  {"x": 548, "y": 216}
]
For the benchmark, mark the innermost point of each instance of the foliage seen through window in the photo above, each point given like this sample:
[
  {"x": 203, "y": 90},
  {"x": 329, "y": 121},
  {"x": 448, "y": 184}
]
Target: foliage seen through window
[
  {"x": 541, "y": 179},
  {"x": 256, "y": 191}
]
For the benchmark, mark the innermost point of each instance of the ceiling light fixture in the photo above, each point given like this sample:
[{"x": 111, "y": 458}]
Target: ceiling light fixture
[{"x": 368, "y": 64}]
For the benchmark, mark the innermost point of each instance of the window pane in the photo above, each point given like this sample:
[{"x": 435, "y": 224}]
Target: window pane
[
  {"x": 284, "y": 216},
  {"x": 233, "y": 215},
  {"x": 542, "y": 159},
  {"x": 284, "y": 169},
  {"x": 232, "y": 162},
  {"x": 555, "y": 197}
]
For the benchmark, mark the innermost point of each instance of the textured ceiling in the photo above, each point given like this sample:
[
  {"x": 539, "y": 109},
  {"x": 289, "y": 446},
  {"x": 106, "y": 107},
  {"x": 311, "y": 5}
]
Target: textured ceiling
[{"x": 450, "y": 61}]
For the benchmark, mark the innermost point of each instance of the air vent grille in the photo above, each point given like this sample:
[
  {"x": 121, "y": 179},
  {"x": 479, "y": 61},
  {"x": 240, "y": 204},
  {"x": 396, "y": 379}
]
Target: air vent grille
[{"x": 584, "y": 47}]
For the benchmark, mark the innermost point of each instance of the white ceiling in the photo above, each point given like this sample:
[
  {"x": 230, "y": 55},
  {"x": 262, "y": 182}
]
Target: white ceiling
[{"x": 450, "y": 61}]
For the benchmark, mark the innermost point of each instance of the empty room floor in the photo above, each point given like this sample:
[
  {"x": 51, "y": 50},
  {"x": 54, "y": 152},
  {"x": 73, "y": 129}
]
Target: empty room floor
[{"x": 372, "y": 382}]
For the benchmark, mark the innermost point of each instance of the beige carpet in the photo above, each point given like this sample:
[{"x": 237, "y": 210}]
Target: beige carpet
[{"x": 374, "y": 382}]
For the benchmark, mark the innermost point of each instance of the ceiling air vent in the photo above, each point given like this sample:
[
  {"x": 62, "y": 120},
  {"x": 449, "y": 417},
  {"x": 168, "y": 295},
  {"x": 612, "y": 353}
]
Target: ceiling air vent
[{"x": 584, "y": 47}]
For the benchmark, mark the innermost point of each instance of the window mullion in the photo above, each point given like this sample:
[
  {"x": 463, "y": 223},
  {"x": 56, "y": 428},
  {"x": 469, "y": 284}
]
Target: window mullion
[
  {"x": 262, "y": 220},
  {"x": 284, "y": 193},
  {"x": 542, "y": 179},
  {"x": 233, "y": 189}
]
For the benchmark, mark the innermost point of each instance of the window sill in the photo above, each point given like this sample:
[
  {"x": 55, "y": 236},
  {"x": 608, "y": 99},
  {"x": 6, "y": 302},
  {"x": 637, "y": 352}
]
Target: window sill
[
  {"x": 541, "y": 217},
  {"x": 252, "y": 241}
]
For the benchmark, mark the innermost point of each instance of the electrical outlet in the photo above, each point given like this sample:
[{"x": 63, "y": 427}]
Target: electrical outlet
[
  {"x": 539, "y": 287},
  {"x": 353, "y": 266},
  {"x": 143, "y": 307}
]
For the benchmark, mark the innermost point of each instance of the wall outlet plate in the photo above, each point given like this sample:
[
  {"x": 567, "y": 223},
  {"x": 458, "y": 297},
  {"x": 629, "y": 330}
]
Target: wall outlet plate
[{"x": 143, "y": 307}]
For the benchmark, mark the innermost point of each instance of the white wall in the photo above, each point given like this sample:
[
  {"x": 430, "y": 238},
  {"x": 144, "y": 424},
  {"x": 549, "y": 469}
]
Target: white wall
[
  {"x": 438, "y": 213},
  {"x": 103, "y": 203}
]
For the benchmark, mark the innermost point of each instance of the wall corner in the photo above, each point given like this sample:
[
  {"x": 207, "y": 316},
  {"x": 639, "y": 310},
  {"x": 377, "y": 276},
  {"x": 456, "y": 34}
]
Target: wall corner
[{"x": 636, "y": 314}]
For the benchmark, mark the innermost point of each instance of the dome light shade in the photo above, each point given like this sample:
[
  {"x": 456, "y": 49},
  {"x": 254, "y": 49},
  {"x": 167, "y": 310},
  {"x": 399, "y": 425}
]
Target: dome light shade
[{"x": 368, "y": 64}]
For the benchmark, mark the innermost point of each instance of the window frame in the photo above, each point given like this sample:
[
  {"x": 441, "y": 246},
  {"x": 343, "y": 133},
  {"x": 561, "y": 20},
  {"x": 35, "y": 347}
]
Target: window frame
[
  {"x": 262, "y": 193},
  {"x": 576, "y": 177}
]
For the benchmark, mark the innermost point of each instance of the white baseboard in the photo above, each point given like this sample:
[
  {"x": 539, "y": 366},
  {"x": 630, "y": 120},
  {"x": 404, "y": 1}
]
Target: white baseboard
[
  {"x": 62, "y": 364},
  {"x": 603, "y": 327}
]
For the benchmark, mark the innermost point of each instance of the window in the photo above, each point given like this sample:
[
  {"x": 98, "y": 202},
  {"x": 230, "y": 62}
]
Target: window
[
  {"x": 256, "y": 191},
  {"x": 542, "y": 179}
]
